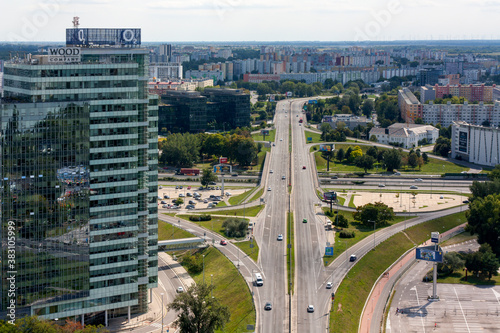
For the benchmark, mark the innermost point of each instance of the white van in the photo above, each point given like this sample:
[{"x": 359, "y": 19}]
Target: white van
[{"x": 258, "y": 280}]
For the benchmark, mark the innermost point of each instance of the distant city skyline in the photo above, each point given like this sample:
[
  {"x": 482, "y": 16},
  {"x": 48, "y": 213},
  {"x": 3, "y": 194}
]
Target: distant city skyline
[{"x": 257, "y": 20}]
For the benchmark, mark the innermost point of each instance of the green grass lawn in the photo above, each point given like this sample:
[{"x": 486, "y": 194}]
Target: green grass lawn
[
  {"x": 290, "y": 259},
  {"x": 238, "y": 199},
  {"x": 316, "y": 137},
  {"x": 230, "y": 288},
  {"x": 351, "y": 201},
  {"x": 215, "y": 224},
  {"x": 433, "y": 167},
  {"x": 355, "y": 289},
  {"x": 248, "y": 211},
  {"x": 257, "y": 195},
  {"x": 251, "y": 252},
  {"x": 221, "y": 204},
  {"x": 260, "y": 160},
  {"x": 360, "y": 231},
  {"x": 270, "y": 137},
  {"x": 167, "y": 231}
]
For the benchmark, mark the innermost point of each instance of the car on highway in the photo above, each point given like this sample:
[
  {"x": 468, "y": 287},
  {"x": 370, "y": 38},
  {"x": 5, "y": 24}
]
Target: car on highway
[
  {"x": 212, "y": 183},
  {"x": 329, "y": 285},
  {"x": 310, "y": 308},
  {"x": 280, "y": 237},
  {"x": 397, "y": 173},
  {"x": 281, "y": 139},
  {"x": 303, "y": 167},
  {"x": 353, "y": 257},
  {"x": 418, "y": 179},
  {"x": 269, "y": 188},
  {"x": 335, "y": 177},
  {"x": 180, "y": 290},
  {"x": 234, "y": 175},
  {"x": 268, "y": 306},
  {"x": 304, "y": 220},
  {"x": 413, "y": 187},
  {"x": 223, "y": 242},
  {"x": 283, "y": 177},
  {"x": 381, "y": 185},
  {"x": 274, "y": 145},
  {"x": 271, "y": 171}
]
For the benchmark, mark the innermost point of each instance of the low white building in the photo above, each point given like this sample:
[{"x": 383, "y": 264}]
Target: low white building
[
  {"x": 476, "y": 144},
  {"x": 405, "y": 135}
]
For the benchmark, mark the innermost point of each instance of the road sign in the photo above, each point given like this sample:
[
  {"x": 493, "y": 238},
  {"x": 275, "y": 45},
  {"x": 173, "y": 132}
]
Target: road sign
[
  {"x": 222, "y": 160},
  {"x": 435, "y": 237},
  {"x": 330, "y": 196},
  {"x": 309, "y": 139},
  {"x": 428, "y": 253},
  {"x": 288, "y": 94},
  {"x": 328, "y": 251},
  {"x": 328, "y": 148}
]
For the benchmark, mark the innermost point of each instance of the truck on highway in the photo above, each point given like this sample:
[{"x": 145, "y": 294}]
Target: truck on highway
[{"x": 188, "y": 171}]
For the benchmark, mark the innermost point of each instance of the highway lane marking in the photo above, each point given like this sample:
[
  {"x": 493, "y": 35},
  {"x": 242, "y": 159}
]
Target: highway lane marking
[
  {"x": 418, "y": 303},
  {"x": 497, "y": 295},
  {"x": 461, "y": 309},
  {"x": 161, "y": 284}
]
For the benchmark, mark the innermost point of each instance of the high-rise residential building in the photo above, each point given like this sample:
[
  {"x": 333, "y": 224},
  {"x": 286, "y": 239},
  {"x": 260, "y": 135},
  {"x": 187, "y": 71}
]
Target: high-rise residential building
[
  {"x": 166, "y": 50},
  {"x": 429, "y": 76},
  {"x": 409, "y": 106},
  {"x": 78, "y": 165}
]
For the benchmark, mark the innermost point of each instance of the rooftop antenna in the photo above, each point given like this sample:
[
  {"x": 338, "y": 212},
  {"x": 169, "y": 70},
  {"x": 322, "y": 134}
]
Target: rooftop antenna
[{"x": 76, "y": 22}]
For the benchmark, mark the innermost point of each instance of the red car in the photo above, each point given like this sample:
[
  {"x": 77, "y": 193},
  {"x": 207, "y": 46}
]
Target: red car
[
  {"x": 223, "y": 242},
  {"x": 303, "y": 167}
]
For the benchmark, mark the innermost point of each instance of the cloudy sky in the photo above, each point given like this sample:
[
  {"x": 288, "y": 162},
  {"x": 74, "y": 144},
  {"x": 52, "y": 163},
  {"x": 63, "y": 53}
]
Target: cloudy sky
[{"x": 256, "y": 20}]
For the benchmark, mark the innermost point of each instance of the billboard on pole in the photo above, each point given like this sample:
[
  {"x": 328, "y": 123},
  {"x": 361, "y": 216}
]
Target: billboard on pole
[
  {"x": 288, "y": 94},
  {"x": 428, "y": 253},
  {"x": 330, "y": 196},
  {"x": 328, "y": 251},
  {"x": 222, "y": 160},
  {"x": 222, "y": 168},
  {"x": 264, "y": 132},
  {"x": 328, "y": 148}
]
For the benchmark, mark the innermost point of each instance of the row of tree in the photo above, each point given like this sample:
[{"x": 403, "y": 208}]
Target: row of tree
[
  {"x": 482, "y": 262},
  {"x": 34, "y": 324},
  {"x": 184, "y": 150}
]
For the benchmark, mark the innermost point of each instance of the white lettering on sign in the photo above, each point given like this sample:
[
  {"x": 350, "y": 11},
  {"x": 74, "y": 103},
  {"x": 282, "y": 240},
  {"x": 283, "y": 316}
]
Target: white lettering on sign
[{"x": 64, "y": 54}]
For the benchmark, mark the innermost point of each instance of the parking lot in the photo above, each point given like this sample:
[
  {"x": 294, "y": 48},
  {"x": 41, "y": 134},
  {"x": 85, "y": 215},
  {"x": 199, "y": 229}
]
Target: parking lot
[{"x": 195, "y": 196}]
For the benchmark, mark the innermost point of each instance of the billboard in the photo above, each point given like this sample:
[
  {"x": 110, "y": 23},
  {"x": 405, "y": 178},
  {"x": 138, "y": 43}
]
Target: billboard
[
  {"x": 328, "y": 148},
  {"x": 330, "y": 196},
  {"x": 462, "y": 142},
  {"x": 222, "y": 168},
  {"x": 435, "y": 237},
  {"x": 264, "y": 132},
  {"x": 309, "y": 139},
  {"x": 288, "y": 94},
  {"x": 111, "y": 37},
  {"x": 64, "y": 54},
  {"x": 428, "y": 253},
  {"x": 328, "y": 251},
  {"x": 312, "y": 101},
  {"x": 222, "y": 160}
]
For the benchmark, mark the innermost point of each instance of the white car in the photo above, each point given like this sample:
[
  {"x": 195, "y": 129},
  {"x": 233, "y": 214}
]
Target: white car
[
  {"x": 280, "y": 237},
  {"x": 381, "y": 185},
  {"x": 271, "y": 171},
  {"x": 329, "y": 285},
  {"x": 228, "y": 194},
  {"x": 269, "y": 188},
  {"x": 310, "y": 308},
  {"x": 418, "y": 179},
  {"x": 180, "y": 290},
  {"x": 283, "y": 177},
  {"x": 181, "y": 195},
  {"x": 281, "y": 139}
]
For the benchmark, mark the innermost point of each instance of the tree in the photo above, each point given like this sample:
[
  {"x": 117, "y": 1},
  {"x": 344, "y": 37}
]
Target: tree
[
  {"x": 340, "y": 155},
  {"x": 413, "y": 160},
  {"x": 367, "y": 107},
  {"x": 483, "y": 218},
  {"x": 365, "y": 162},
  {"x": 378, "y": 212},
  {"x": 243, "y": 150},
  {"x": 373, "y": 138},
  {"x": 179, "y": 201},
  {"x": 425, "y": 157},
  {"x": 355, "y": 153},
  {"x": 442, "y": 146},
  {"x": 419, "y": 121},
  {"x": 372, "y": 151},
  {"x": 199, "y": 312},
  {"x": 451, "y": 263},
  {"x": 180, "y": 150},
  {"x": 392, "y": 159},
  {"x": 495, "y": 173},
  {"x": 348, "y": 153},
  {"x": 207, "y": 177},
  {"x": 489, "y": 262},
  {"x": 341, "y": 221}
]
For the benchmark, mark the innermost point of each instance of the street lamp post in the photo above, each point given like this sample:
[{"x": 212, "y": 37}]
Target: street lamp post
[
  {"x": 443, "y": 175},
  {"x": 203, "y": 269},
  {"x": 211, "y": 285},
  {"x": 346, "y": 261},
  {"x": 401, "y": 195},
  {"x": 161, "y": 312}
]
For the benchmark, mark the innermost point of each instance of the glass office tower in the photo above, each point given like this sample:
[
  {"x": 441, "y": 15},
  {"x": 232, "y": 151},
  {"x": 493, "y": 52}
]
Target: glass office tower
[{"x": 78, "y": 167}]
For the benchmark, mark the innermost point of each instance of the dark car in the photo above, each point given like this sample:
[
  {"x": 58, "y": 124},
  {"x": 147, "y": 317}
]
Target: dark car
[
  {"x": 234, "y": 175},
  {"x": 466, "y": 201},
  {"x": 268, "y": 306},
  {"x": 212, "y": 183},
  {"x": 335, "y": 177},
  {"x": 353, "y": 257}
]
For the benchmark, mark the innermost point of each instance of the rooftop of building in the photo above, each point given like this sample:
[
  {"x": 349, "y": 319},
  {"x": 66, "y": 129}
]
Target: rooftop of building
[
  {"x": 182, "y": 93},
  {"x": 408, "y": 96},
  {"x": 224, "y": 91},
  {"x": 403, "y": 129}
]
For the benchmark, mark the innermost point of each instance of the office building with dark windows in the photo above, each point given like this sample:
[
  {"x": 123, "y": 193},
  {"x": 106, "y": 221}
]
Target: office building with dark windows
[{"x": 78, "y": 166}]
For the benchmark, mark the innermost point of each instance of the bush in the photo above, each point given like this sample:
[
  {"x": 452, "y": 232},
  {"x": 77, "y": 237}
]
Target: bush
[
  {"x": 342, "y": 222},
  {"x": 235, "y": 227},
  {"x": 204, "y": 217},
  {"x": 193, "y": 263},
  {"x": 347, "y": 234}
]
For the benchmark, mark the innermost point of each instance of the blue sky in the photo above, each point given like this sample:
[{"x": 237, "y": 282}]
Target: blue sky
[{"x": 259, "y": 20}]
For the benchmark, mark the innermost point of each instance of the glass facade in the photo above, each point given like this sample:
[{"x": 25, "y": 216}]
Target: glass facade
[{"x": 79, "y": 184}]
